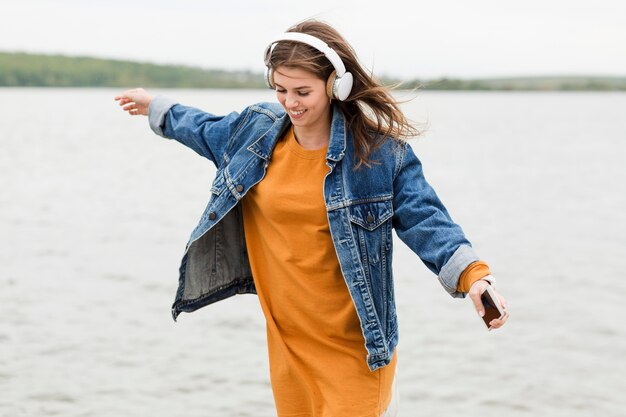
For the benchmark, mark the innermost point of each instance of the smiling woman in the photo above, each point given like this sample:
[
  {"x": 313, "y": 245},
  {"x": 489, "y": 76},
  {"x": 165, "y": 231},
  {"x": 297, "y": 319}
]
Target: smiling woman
[
  {"x": 303, "y": 95},
  {"x": 354, "y": 90},
  {"x": 301, "y": 212}
]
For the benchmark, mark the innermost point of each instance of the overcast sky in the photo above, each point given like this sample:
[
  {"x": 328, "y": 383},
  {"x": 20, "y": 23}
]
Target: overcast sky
[{"x": 455, "y": 38}]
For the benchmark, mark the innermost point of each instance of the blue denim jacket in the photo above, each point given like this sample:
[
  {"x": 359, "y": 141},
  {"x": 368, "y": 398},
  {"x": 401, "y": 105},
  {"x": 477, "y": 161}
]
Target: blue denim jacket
[{"x": 363, "y": 206}]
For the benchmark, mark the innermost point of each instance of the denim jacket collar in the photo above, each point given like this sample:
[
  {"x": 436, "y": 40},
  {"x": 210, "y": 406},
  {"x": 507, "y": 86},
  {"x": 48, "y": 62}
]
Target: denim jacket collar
[
  {"x": 336, "y": 147},
  {"x": 338, "y": 136}
]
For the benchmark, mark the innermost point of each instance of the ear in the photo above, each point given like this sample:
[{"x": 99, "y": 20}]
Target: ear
[{"x": 330, "y": 83}]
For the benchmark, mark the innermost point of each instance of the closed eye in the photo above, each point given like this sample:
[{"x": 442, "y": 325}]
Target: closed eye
[{"x": 300, "y": 93}]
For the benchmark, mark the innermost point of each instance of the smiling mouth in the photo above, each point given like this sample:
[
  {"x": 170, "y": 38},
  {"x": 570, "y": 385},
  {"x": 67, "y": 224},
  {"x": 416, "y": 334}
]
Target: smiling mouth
[{"x": 296, "y": 114}]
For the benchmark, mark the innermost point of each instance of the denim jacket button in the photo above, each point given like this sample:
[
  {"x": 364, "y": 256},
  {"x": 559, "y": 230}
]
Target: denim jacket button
[
  {"x": 370, "y": 218},
  {"x": 239, "y": 188},
  {"x": 212, "y": 215}
]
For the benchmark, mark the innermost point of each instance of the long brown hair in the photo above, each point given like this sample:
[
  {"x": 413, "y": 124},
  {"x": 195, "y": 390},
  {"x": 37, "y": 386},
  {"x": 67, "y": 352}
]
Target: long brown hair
[{"x": 372, "y": 114}]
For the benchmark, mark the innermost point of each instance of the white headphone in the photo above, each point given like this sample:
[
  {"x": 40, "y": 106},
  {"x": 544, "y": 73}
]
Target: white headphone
[{"x": 339, "y": 83}]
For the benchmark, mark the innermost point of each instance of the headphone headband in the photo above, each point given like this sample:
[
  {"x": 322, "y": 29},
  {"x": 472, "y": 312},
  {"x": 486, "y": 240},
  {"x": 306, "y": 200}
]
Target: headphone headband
[
  {"x": 316, "y": 43},
  {"x": 339, "y": 83}
]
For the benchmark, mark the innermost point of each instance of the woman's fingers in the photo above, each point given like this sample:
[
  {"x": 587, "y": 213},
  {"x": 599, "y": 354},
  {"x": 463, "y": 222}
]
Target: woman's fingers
[
  {"x": 134, "y": 101},
  {"x": 475, "y": 292},
  {"x": 127, "y": 96},
  {"x": 123, "y": 96},
  {"x": 131, "y": 108}
]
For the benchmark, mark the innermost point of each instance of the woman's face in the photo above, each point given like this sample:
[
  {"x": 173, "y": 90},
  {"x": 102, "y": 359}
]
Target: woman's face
[{"x": 303, "y": 95}]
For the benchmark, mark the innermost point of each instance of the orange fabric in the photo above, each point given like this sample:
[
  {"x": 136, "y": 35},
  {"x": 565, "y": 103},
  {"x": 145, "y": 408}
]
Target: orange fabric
[
  {"x": 317, "y": 354},
  {"x": 471, "y": 274}
]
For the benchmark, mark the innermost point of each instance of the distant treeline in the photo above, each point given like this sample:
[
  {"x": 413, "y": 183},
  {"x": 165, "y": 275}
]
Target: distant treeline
[
  {"x": 30, "y": 70},
  {"x": 563, "y": 83},
  {"x": 33, "y": 70}
]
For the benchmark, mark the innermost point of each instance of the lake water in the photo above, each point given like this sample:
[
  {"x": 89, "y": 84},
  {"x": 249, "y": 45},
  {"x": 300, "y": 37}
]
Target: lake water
[{"x": 95, "y": 211}]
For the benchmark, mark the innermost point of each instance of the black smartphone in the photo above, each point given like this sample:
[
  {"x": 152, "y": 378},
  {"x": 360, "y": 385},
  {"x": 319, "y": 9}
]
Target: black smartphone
[{"x": 493, "y": 309}]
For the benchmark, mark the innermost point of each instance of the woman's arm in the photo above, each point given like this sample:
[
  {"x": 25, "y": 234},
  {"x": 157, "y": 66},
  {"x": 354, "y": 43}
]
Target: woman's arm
[
  {"x": 423, "y": 223},
  {"x": 205, "y": 133}
]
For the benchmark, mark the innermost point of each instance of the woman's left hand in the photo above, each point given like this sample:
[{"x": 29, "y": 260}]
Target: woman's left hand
[{"x": 476, "y": 291}]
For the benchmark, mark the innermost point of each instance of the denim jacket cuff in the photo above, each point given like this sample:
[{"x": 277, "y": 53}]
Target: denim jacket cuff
[
  {"x": 451, "y": 271},
  {"x": 159, "y": 106}
]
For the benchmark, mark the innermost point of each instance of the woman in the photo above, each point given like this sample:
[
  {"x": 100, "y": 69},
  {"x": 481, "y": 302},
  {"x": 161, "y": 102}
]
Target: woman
[{"x": 301, "y": 212}]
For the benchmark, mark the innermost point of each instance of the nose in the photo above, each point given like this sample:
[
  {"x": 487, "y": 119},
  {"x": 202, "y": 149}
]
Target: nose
[{"x": 291, "y": 101}]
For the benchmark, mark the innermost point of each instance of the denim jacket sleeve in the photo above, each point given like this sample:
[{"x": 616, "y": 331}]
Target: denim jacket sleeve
[
  {"x": 423, "y": 223},
  {"x": 205, "y": 133}
]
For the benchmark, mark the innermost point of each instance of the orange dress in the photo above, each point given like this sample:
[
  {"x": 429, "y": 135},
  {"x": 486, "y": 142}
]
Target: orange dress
[{"x": 316, "y": 349}]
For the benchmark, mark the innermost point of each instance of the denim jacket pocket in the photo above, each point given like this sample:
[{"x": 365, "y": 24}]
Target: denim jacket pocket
[
  {"x": 373, "y": 239},
  {"x": 370, "y": 215},
  {"x": 371, "y": 226}
]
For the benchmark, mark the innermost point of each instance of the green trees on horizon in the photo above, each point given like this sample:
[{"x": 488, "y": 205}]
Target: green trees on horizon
[
  {"x": 35, "y": 70},
  {"x": 30, "y": 70}
]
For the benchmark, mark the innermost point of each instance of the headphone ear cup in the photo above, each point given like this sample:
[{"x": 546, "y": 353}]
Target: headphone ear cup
[
  {"x": 269, "y": 78},
  {"x": 342, "y": 86},
  {"x": 330, "y": 82}
]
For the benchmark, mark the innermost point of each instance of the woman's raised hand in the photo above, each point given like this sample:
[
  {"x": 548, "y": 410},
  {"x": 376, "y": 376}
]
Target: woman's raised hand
[{"x": 135, "y": 101}]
